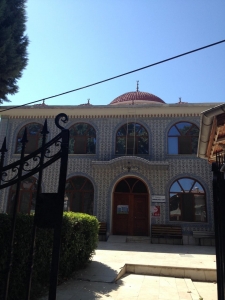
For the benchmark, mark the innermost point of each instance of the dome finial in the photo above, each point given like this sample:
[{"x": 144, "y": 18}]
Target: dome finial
[{"x": 137, "y": 85}]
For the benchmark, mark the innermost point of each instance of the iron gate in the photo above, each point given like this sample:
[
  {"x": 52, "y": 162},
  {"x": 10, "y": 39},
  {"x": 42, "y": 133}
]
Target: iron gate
[
  {"x": 218, "y": 169},
  {"x": 24, "y": 168}
]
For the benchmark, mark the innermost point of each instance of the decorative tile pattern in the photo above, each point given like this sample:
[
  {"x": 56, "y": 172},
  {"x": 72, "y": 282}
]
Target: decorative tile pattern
[{"x": 105, "y": 176}]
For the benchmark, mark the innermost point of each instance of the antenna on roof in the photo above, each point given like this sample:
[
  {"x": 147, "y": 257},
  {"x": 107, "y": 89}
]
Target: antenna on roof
[
  {"x": 88, "y": 101},
  {"x": 180, "y": 100}
]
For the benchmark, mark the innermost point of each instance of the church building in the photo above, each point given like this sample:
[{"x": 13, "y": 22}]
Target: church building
[{"x": 132, "y": 163}]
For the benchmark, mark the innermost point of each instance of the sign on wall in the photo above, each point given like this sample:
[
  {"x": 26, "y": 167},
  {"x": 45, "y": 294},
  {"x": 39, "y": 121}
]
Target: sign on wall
[
  {"x": 158, "y": 198},
  {"x": 155, "y": 211}
]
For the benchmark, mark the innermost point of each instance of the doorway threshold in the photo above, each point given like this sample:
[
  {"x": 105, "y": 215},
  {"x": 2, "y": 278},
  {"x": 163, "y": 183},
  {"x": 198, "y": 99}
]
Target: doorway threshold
[
  {"x": 117, "y": 239},
  {"x": 128, "y": 239},
  {"x": 138, "y": 239}
]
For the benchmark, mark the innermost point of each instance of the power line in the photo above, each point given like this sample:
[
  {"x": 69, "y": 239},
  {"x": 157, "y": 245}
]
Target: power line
[{"x": 114, "y": 77}]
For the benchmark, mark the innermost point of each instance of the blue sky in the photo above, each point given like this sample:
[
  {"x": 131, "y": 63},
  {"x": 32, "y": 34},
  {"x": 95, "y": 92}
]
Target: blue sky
[{"x": 74, "y": 43}]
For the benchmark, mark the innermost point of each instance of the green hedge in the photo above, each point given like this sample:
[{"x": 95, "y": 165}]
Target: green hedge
[{"x": 79, "y": 240}]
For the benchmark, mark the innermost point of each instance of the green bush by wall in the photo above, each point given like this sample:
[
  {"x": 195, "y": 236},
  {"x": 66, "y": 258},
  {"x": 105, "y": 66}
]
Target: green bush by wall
[{"x": 79, "y": 240}]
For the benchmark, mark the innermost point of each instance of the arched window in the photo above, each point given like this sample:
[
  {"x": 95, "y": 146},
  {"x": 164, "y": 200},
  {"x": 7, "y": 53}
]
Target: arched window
[
  {"x": 27, "y": 196},
  {"x": 131, "y": 185},
  {"x": 34, "y": 138},
  {"x": 79, "y": 195},
  {"x": 183, "y": 138},
  {"x": 82, "y": 139},
  {"x": 132, "y": 138},
  {"x": 187, "y": 201}
]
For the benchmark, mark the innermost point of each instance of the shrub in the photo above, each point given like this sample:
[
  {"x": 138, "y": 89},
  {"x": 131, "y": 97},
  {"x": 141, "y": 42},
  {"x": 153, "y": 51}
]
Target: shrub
[{"x": 79, "y": 240}]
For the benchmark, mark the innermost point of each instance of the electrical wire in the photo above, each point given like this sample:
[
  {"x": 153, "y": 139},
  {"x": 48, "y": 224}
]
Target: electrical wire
[{"x": 114, "y": 77}]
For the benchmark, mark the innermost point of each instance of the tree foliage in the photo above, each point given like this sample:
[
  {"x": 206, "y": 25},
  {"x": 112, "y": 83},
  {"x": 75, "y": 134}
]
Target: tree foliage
[{"x": 13, "y": 46}]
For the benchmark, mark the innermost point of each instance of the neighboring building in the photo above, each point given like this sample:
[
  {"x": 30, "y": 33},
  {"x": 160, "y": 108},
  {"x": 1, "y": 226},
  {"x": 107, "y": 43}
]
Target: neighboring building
[
  {"x": 132, "y": 163},
  {"x": 212, "y": 133}
]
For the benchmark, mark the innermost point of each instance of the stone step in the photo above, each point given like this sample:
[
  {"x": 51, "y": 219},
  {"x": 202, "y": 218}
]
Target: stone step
[
  {"x": 138, "y": 239},
  {"x": 197, "y": 274}
]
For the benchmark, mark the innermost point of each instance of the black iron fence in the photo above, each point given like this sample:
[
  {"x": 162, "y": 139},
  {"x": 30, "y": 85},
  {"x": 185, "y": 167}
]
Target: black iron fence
[{"x": 24, "y": 168}]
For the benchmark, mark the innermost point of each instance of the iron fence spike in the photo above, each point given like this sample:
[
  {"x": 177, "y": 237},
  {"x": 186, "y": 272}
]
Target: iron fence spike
[
  {"x": 3, "y": 149},
  {"x": 45, "y": 128},
  {"x": 24, "y": 138}
]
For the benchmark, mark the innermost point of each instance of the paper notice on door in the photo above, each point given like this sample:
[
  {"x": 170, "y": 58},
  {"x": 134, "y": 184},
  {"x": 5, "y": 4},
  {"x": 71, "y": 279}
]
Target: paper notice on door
[{"x": 123, "y": 209}]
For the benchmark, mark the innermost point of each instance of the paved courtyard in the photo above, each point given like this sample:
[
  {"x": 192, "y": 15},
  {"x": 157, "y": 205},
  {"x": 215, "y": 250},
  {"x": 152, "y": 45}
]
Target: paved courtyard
[{"x": 175, "y": 268}]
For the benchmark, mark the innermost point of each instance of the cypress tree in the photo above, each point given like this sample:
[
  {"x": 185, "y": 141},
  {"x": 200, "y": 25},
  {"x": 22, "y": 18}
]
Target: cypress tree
[{"x": 13, "y": 46}]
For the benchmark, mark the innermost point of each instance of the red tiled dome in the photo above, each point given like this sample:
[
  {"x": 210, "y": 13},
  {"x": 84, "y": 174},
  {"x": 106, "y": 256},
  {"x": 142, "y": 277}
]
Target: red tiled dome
[{"x": 136, "y": 98}]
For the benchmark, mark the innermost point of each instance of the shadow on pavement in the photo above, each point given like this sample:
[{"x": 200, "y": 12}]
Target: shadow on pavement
[
  {"x": 92, "y": 282},
  {"x": 96, "y": 271},
  {"x": 87, "y": 290}
]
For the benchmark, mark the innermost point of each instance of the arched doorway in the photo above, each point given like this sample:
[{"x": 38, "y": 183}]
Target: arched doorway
[{"x": 130, "y": 208}]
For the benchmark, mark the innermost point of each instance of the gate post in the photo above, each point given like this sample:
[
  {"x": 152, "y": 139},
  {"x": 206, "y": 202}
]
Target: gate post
[
  {"x": 219, "y": 221},
  {"x": 44, "y": 133},
  {"x": 58, "y": 225}
]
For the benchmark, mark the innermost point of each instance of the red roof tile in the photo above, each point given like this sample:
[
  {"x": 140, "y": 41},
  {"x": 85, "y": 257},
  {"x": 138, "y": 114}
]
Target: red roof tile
[{"x": 134, "y": 97}]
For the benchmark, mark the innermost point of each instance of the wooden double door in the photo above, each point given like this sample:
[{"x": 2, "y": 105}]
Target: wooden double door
[{"x": 130, "y": 214}]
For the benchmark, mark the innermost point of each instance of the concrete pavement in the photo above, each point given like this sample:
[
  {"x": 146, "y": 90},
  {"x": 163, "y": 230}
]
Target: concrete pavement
[{"x": 121, "y": 270}]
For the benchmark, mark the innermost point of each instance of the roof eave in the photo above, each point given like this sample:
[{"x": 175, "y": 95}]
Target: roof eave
[{"x": 206, "y": 123}]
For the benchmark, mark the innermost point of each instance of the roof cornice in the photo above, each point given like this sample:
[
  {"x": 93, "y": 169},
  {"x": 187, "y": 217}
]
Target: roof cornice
[{"x": 162, "y": 110}]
